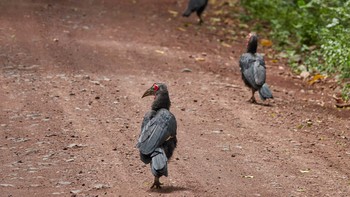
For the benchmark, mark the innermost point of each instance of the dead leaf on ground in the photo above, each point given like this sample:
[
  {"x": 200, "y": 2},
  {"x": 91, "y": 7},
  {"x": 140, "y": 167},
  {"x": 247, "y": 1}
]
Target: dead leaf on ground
[
  {"x": 101, "y": 186},
  {"x": 186, "y": 70},
  {"x": 76, "y": 145},
  {"x": 242, "y": 25},
  {"x": 212, "y": 28},
  {"x": 229, "y": 21},
  {"x": 215, "y": 20},
  {"x": 340, "y": 103},
  {"x": 199, "y": 59},
  {"x": 225, "y": 44},
  {"x": 266, "y": 43},
  {"x": 316, "y": 78},
  {"x": 248, "y": 176},
  {"x": 174, "y": 13},
  {"x": 300, "y": 126},
  {"x": 305, "y": 171},
  {"x": 159, "y": 51},
  {"x": 6, "y": 185},
  {"x": 181, "y": 29},
  {"x": 304, "y": 74},
  {"x": 219, "y": 12}
]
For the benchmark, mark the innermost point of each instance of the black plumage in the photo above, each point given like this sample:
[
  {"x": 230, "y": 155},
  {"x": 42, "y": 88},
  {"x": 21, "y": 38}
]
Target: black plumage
[
  {"x": 197, "y": 6},
  {"x": 157, "y": 140},
  {"x": 253, "y": 70}
]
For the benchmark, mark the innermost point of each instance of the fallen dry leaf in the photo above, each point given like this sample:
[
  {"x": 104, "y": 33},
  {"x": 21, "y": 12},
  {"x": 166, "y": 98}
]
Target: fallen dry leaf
[
  {"x": 316, "y": 79},
  {"x": 181, "y": 29},
  {"x": 199, "y": 59},
  {"x": 266, "y": 43},
  {"x": 225, "y": 44},
  {"x": 218, "y": 12},
  {"x": 215, "y": 20},
  {"x": 242, "y": 25},
  {"x": 159, "y": 51},
  {"x": 340, "y": 103},
  {"x": 186, "y": 70},
  {"x": 300, "y": 126},
  {"x": 228, "y": 21},
  {"x": 248, "y": 176},
  {"x": 304, "y": 171},
  {"x": 174, "y": 13}
]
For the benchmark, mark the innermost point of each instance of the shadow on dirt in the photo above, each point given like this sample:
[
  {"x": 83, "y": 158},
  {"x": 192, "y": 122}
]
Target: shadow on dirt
[
  {"x": 260, "y": 104},
  {"x": 169, "y": 189},
  {"x": 264, "y": 104}
]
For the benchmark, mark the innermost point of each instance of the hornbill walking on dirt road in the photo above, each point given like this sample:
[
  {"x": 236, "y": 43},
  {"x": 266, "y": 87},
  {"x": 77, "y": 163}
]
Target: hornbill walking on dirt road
[
  {"x": 253, "y": 70},
  {"x": 197, "y": 6},
  {"x": 157, "y": 140}
]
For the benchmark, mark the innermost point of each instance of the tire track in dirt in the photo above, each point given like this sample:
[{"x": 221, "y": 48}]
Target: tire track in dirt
[
  {"x": 89, "y": 83},
  {"x": 101, "y": 116}
]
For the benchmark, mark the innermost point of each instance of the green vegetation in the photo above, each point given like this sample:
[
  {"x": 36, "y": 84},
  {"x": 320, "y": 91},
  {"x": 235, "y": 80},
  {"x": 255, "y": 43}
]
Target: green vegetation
[{"x": 318, "y": 31}]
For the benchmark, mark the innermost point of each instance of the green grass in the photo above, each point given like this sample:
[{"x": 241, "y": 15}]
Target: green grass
[{"x": 316, "y": 30}]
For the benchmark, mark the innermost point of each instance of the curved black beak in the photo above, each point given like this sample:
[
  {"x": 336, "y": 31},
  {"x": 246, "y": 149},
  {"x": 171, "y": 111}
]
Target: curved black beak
[{"x": 148, "y": 92}]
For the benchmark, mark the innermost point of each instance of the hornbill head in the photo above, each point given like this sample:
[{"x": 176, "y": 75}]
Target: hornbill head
[
  {"x": 252, "y": 42},
  {"x": 155, "y": 89},
  {"x": 161, "y": 96}
]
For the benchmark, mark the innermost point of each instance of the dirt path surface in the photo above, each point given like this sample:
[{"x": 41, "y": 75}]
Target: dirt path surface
[{"x": 72, "y": 76}]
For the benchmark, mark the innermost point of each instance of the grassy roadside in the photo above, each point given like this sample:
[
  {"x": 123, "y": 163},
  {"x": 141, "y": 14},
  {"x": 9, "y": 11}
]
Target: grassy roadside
[{"x": 312, "y": 34}]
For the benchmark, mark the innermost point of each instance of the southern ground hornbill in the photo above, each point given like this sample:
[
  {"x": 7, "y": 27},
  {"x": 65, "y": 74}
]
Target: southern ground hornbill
[
  {"x": 197, "y": 6},
  {"x": 253, "y": 70},
  {"x": 157, "y": 140}
]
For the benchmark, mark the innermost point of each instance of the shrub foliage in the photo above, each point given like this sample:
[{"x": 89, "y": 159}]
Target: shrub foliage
[{"x": 317, "y": 29}]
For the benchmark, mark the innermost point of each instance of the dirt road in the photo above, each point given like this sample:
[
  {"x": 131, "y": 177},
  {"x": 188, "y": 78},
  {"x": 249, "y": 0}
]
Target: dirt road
[{"x": 72, "y": 77}]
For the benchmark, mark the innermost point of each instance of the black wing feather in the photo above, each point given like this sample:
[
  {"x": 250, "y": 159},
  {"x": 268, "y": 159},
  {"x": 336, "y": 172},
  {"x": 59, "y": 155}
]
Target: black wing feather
[
  {"x": 259, "y": 73},
  {"x": 253, "y": 70},
  {"x": 195, "y": 5},
  {"x": 156, "y": 131}
]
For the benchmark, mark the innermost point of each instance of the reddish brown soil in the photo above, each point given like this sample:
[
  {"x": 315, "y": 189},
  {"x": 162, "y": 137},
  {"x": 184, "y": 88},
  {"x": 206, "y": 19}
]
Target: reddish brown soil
[{"x": 72, "y": 76}]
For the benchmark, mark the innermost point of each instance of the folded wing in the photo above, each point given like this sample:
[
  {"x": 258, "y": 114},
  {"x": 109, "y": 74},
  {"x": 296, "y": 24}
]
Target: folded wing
[{"x": 156, "y": 131}]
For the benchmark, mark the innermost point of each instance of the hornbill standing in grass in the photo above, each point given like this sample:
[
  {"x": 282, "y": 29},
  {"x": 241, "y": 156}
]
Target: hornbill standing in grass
[
  {"x": 157, "y": 140},
  {"x": 197, "y": 6},
  {"x": 253, "y": 69}
]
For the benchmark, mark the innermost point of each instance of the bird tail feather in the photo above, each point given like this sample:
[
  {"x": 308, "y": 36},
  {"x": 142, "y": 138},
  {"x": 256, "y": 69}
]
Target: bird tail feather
[
  {"x": 169, "y": 146},
  {"x": 265, "y": 92},
  {"x": 159, "y": 165},
  {"x": 145, "y": 158}
]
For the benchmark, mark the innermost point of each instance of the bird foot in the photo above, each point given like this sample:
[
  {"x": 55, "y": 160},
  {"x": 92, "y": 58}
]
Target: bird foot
[
  {"x": 252, "y": 100},
  {"x": 156, "y": 185}
]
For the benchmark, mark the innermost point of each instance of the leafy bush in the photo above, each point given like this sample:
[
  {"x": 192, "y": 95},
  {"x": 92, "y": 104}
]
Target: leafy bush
[{"x": 317, "y": 29}]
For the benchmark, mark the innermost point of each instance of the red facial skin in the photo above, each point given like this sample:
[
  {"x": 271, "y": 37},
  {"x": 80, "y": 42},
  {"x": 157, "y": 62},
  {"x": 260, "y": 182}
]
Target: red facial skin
[{"x": 155, "y": 87}]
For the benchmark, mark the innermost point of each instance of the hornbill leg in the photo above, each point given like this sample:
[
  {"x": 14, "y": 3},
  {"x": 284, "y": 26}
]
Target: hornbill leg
[
  {"x": 252, "y": 99},
  {"x": 156, "y": 183},
  {"x": 200, "y": 19}
]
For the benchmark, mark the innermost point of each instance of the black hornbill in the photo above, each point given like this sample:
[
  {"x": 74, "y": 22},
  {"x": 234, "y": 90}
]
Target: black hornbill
[
  {"x": 157, "y": 140},
  {"x": 253, "y": 69},
  {"x": 197, "y": 6}
]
